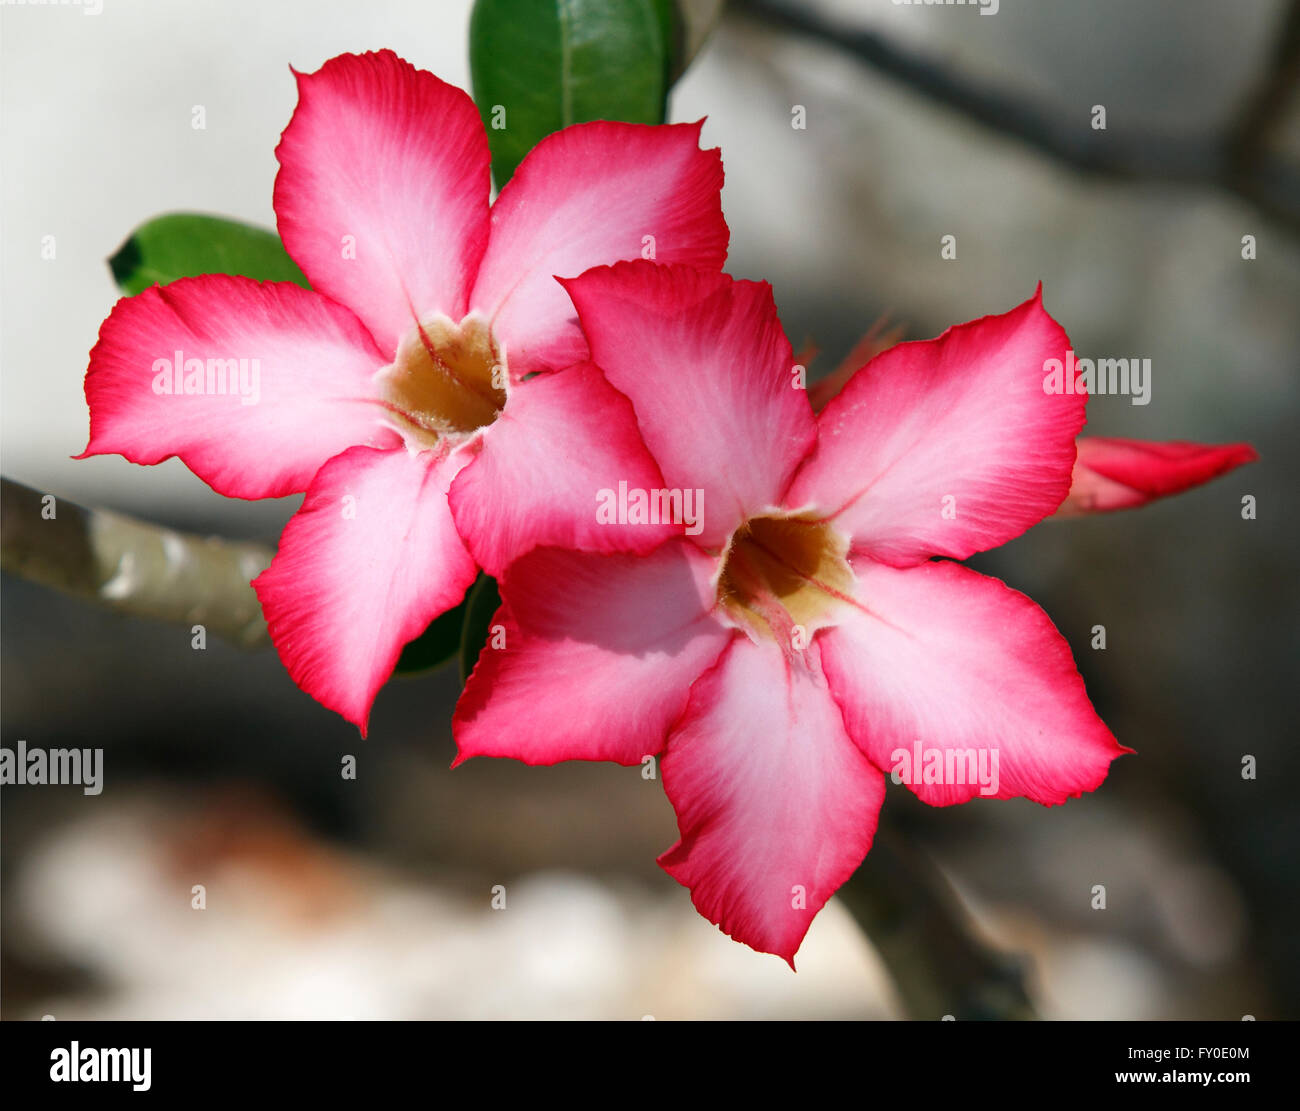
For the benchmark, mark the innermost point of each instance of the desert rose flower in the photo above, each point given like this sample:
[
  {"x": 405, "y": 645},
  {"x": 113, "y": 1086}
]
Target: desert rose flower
[
  {"x": 1109, "y": 474},
  {"x": 394, "y": 392},
  {"x": 1112, "y": 474},
  {"x": 806, "y": 642}
]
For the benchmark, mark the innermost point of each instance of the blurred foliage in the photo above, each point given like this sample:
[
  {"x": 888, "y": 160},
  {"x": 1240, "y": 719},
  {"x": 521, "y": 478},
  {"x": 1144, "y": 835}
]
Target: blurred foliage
[
  {"x": 481, "y": 604},
  {"x": 186, "y": 244},
  {"x": 540, "y": 65}
]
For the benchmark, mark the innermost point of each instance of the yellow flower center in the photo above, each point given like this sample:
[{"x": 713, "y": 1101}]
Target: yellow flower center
[
  {"x": 447, "y": 380},
  {"x": 783, "y": 576}
]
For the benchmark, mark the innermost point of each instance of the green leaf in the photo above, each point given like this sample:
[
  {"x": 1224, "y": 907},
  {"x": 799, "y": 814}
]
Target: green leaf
[
  {"x": 482, "y": 603},
  {"x": 436, "y": 645},
  {"x": 185, "y": 244},
  {"x": 541, "y": 65}
]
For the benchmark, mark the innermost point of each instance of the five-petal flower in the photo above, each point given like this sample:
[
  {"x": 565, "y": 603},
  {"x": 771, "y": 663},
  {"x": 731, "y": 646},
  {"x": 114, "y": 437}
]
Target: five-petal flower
[
  {"x": 782, "y": 659},
  {"x": 429, "y": 393}
]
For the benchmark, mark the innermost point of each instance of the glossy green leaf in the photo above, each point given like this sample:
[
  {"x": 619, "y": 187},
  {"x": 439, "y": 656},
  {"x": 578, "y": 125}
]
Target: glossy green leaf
[
  {"x": 438, "y": 643},
  {"x": 482, "y": 603},
  {"x": 185, "y": 244},
  {"x": 541, "y": 65}
]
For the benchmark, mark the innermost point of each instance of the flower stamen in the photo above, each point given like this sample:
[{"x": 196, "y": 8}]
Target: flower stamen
[
  {"x": 784, "y": 571},
  {"x": 448, "y": 380}
]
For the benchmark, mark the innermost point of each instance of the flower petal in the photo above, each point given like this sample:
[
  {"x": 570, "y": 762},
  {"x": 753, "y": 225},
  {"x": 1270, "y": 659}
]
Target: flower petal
[
  {"x": 948, "y": 446},
  {"x": 709, "y": 372},
  {"x": 1123, "y": 474},
  {"x": 363, "y": 567},
  {"x": 775, "y": 804},
  {"x": 305, "y": 377},
  {"x": 587, "y": 196},
  {"x": 382, "y": 194},
  {"x": 561, "y": 440},
  {"x": 960, "y": 664},
  {"x": 599, "y": 655}
]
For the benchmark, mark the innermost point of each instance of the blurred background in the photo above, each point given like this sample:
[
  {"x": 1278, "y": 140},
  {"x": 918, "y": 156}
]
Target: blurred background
[{"x": 373, "y": 898}]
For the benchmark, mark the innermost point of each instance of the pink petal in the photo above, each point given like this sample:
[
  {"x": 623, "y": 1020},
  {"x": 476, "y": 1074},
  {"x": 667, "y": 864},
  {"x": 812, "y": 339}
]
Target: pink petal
[
  {"x": 587, "y": 196},
  {"x": 562, "y": 439},
  {"x": 775, "y": 804},
  {"x": 599, "y": 655},
  {"x": 709, "y": 372},
  {"x": 396, "y": 159},
  {"x": 940, "y": 656},
  {"x": 962, "y": 417},
  {"x": 313, "y": 395},
  {"x": 363, "y": 567},
  {"x": 1121, "y": 474}
]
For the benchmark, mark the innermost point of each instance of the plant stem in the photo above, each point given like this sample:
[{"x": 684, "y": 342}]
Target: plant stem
[
  {"x": 938, "y": 962},
  {"x": 133, "y": 567}
]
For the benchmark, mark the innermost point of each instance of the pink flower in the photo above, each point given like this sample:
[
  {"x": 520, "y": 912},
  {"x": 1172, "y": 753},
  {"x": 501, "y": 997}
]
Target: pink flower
[
  {"x": 1109, "y": 474},
  {"x": 394, "y": 393},
  {"x": 805, "y": 642},
  {"x": 1124, "y": 474}
]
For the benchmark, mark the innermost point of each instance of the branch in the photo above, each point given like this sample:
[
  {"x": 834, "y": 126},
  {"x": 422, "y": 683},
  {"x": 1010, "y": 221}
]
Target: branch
[
  {"x": 1237, "y": 163},
  {"x": 131, "y": 566},
  {"x": 938, "y": 962},
  {"x": 1262, "y": 111}
]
